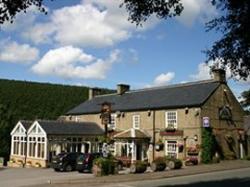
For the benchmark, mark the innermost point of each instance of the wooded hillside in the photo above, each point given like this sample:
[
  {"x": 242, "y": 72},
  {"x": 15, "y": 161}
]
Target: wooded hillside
[{"x": 30, "y": 100}]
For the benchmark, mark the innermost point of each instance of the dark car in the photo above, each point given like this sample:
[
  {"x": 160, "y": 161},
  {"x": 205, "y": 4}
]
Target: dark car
[
  {"x": 65, "y": 161},
  {"x": 85, "y": 161}
]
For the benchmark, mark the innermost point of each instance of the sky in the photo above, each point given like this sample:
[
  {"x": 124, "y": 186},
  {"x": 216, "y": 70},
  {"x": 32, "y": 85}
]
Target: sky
[{"x": 92, "y": 43}]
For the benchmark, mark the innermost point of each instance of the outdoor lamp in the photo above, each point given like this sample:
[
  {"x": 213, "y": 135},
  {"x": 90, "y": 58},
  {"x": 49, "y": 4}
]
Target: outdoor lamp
[{"x": 195, "y": 137}]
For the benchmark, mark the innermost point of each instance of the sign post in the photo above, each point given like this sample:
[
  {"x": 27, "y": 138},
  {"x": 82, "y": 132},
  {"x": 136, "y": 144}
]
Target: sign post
[{"x": 106, "y": 116}]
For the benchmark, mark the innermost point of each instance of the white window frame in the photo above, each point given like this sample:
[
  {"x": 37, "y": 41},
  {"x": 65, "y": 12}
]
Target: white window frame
[
  {"x": 112, "y": 124},
  {"x": 171, "y": 148},
  {"x": 136, "y": 121},
  {"x": 167, "y": 119}
]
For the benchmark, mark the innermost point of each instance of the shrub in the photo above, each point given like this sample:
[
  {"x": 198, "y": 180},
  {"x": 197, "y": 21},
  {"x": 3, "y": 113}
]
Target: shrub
[
  {"x": 159, "y": 164},
  {"x": 208, "y": 145},
  {"x": 107, "y": 166},
  {"x": 191, "y": 161},
  {"x": 173, "y": 163},
  {"x": 138, "y": 167}
]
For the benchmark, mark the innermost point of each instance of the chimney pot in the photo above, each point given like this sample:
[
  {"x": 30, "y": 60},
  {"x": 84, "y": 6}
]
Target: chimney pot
[
  {"x": 122, "y": 88},
  {"x": 94, "y": 92},
  {"x": 219, "y": 75}
]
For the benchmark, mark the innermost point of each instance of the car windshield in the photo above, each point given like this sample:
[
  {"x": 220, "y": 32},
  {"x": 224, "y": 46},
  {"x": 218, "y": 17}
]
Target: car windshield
[{"x": 82, "y": 157}]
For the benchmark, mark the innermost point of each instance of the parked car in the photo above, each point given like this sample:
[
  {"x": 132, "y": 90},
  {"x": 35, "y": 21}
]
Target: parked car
[
  {"x": 65, "y": 161},
  {"x": 85, "y": 161}
]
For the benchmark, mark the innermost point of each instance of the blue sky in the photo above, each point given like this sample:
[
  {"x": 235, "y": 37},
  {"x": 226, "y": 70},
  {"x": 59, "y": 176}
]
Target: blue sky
[{"x": 90, "y": 42}]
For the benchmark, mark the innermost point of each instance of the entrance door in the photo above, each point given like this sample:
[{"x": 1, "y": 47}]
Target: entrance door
[{"x": 138, "y": 152}]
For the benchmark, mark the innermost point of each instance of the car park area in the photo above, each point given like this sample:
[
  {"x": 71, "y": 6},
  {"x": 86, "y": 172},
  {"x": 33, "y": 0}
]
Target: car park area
[{"x": 17, "y": 177}]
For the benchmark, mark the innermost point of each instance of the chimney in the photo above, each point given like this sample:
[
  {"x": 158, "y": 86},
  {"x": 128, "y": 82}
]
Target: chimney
[
  {"x": 219, "y": 75},
  {"x": 94, "y": 92},
  {"x": 122, "y": 88}
]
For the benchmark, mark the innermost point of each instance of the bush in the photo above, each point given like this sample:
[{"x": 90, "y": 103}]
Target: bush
[
  {"x": 173, "y": 163},
  {"x": 191, "y": 161},
  {"x": 138, "y": 167},
  {"x": 159, "y": 164},
  {"x": 107, "y": 166}
]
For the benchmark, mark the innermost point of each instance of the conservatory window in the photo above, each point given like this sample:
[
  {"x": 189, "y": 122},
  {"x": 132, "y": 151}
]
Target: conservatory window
[
  {"x": 16, "y": 145},
  {"x": 32, "y": 146},
  {"x": 40, "y": 147}
]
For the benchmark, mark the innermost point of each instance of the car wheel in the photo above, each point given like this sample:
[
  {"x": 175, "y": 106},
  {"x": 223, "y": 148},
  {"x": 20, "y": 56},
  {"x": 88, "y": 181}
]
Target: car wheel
[
  {"x": 68, "y": 168},
  {"x": 56, "y": 169},
  {"x": 80, "y": 171}
]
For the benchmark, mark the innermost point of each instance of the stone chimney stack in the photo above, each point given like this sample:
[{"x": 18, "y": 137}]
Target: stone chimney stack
[
  {"x": 122, "y": 88},
  {"x": 219, "y": 75},
  {"x": 94, "y": 92}
]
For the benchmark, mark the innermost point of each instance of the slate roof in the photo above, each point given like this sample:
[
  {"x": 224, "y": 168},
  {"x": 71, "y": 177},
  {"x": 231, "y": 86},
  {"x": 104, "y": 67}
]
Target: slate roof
[
  {"x": 26, "y": 124},
  {"x": 70, "y": 128},
  {"x": 174, "y": 96}
]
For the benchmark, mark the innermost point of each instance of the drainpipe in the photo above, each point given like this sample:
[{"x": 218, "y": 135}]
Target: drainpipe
[{"x": 153, "y": 135}]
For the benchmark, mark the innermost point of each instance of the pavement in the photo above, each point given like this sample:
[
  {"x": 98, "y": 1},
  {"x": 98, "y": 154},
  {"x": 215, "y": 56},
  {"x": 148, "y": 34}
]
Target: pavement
[{"x": 126, "y": 178}]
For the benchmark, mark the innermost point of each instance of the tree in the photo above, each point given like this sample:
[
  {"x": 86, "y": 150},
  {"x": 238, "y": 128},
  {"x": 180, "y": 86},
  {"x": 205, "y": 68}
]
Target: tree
[
  {"x": 233, "y": 49},
  {"x": 6, "y": 124},
  {"x": 140, "y": 11},
  {"x": 246, "y": 100},
  {"x": 9, "y": 8}
]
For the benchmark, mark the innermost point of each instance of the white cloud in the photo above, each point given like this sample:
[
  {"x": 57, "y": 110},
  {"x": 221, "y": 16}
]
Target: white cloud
[
  {"x": 39, "y": 33},
  {"x": 69, "y": 62},
  {"x": 204, "y": 70},
  {"x": 96, "y": 23},
  {"x": 13, "y": 52},
  {"x": 202, "y": 10},
  {"x": 164, "y": 78}
]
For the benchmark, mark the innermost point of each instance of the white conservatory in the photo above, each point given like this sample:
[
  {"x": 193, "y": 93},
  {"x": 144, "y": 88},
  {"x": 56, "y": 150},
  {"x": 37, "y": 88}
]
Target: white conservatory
[{"x": 34, "y": 144}]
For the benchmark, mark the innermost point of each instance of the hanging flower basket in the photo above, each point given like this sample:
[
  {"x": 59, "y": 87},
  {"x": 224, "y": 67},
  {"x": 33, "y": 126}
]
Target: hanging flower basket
[{"x": 159, "y": 146}]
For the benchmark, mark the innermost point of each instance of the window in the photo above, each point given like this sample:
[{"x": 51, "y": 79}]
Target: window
[
  {"x": 171, "y": 148},
  {"x": 32, "y": 146},
  {"x": 40, "y": 147},
  {"x": 16, "y": 145},
  {"x": 112, "y": 123},
  {"x": 136, "y": 121},
  {"x": 171, "y": 119},
  {"x": 37, "y": 147}
]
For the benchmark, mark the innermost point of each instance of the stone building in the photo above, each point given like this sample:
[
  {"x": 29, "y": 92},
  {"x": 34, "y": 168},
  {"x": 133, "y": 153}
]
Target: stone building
[
  {"x": 168, "y": 120},
  {"x": 144, "y": 124}
]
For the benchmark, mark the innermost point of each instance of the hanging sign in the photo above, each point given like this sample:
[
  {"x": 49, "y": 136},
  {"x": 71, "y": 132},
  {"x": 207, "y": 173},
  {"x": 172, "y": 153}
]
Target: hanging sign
[{"x": 206, "y": 122}]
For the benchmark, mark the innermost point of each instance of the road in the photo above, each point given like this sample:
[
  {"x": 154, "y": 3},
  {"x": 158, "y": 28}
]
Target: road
[{"x": 229, "y": 178}]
